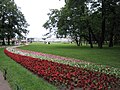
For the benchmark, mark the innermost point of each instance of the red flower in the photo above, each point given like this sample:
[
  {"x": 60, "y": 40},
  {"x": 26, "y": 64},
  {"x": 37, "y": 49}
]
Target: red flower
[{"x": 64, "y": 74}]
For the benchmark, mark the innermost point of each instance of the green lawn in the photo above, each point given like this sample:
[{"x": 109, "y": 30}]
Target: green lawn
[
  {"x": 28, "y": 81},
  {"x": 105, "y": 56},
  {"x": 16, "y": 74}
]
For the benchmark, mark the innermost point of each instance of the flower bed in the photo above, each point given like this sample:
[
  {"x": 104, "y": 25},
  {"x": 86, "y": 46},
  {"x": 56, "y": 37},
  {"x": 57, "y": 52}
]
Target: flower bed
[
  {"x": 66, "y": 75},
  {"x": 68, "y": 61}
]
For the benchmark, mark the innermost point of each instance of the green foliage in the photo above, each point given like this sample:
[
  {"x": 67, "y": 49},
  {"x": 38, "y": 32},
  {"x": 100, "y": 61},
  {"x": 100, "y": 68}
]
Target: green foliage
[
  {"x": 92, "y": 20},
  {"x": 69, "y": 21},
  {"x": 12, "y": 21}
]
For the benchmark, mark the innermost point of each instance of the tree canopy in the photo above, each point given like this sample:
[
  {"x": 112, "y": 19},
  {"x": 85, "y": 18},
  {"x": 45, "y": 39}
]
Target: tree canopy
[
  {"x": 12, "y": 21},
  {"x": 96, "y": 21}
]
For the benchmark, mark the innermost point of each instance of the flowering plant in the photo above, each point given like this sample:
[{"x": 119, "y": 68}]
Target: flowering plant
[
  {"x": 69, "y": 76},
  {"x": 68, "y": 61}
]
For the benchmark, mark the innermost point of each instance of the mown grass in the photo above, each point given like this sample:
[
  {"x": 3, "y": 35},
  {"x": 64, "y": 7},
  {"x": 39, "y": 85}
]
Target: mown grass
[
  {"x": 105, "y": 56},
  {"x": 17, "y": 75}
]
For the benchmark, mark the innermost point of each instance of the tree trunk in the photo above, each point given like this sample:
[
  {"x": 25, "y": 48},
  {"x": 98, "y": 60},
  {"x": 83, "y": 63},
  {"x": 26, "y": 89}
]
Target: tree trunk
[
  {"x": 3, "y": 19},
  {"x": 8, "y": 40},
  {"x": 101, "y": 39},
  {"x": 91, "y": 44},
  {"x": 111, "y": 40},
  {"x": 90, "y": 37},
  {"x": 3, "y": 43},
  {"x": 111, "y": 36},
  {"x": 100, "y": 44},
  {"x": 77, "y": 42},
  {"x": 116, "y": 40},
  {"x": 94, "y": 37},
  {"x": 112, "y": 28}
]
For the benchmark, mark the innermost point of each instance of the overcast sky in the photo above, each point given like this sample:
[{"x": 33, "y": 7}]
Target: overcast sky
[{"x": 35, "y": 12}]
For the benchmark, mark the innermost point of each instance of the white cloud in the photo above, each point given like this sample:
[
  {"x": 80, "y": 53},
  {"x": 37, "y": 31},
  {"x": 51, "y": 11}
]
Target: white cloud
[{"x": 35, "y": 12}]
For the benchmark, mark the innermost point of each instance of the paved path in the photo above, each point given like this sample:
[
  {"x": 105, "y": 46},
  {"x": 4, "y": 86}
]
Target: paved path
[{"x": 4, "y": 85}]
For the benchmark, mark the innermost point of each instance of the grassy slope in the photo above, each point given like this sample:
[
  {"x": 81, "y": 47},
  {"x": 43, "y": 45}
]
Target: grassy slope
[
  {"x": 105, "y": 56},
  {"x": 19, "y": 75}
]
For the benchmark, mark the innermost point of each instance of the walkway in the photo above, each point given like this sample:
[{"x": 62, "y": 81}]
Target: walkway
[{"x": 3, "y": 83}]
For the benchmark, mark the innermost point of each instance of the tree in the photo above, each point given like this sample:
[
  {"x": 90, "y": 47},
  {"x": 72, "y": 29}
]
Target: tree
[
  {"x": 101, "y": 19},
  {"x": 51, "y": 24},
  {"x": 12, "y": 21},
  {"x": 113, "y": 22},
  {"x": 69, "y": 21},
  {"x": 107, "y": 8}
]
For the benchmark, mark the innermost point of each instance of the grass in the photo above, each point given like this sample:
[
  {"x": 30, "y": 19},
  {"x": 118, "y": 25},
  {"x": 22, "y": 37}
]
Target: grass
[
  {"x": 28, "y": 81},
  {"x": 16, "y": 74},
  {"x": 105, "y": 56}
]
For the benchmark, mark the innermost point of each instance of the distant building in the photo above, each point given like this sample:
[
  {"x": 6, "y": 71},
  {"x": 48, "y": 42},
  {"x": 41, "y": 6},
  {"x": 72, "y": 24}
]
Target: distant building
[
  {"x": 30, "y": 39},
  {"x": 51, "y": 39}
]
